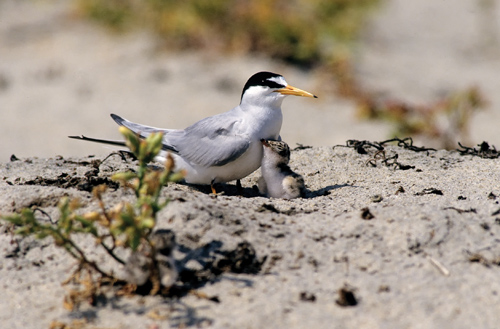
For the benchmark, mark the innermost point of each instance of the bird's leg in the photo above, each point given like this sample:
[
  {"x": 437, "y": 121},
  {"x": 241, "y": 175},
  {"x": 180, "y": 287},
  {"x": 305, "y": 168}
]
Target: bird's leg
[
  {"x": 212, "y": 187},
  {"x": 239, "y": 188}
]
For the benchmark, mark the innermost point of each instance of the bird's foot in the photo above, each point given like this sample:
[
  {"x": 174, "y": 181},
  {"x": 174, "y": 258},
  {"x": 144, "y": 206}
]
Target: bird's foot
[{"x": 214, "y": 192}]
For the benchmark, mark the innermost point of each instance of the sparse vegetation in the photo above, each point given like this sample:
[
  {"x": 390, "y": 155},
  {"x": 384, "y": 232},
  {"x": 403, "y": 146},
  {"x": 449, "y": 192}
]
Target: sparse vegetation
[
  {"x": 444, "y": 121},
  {"x": 300, "y": 32},
  {"x": 122, "y": 229},
  {"x": 318, "y": 34}
]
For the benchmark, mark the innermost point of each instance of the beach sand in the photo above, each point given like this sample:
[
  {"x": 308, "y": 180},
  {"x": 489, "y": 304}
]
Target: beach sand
[
  {"x": 417, "y": 248},
  {"x": 427, "y": 258}
]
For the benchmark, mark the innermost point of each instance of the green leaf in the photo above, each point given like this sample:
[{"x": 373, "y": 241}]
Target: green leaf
[
  {"x": 148, "y": 223},
  {"x": 153, "y": 146},
  {"x": 15, "y": 219},
  {"x": 131, "y": 140},
  {"x": 124, "y": 176}
]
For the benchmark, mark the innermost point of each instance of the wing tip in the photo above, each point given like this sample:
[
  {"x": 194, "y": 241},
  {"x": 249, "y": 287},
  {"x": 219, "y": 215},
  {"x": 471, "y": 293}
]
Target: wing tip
[{"x": 118, "y": 119}]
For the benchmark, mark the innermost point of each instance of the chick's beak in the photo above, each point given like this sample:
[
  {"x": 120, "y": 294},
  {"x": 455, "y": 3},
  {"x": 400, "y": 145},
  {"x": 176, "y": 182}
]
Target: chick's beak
[
  {"x": 289, "y": 90},
  {"x": 264, "y": 142}
]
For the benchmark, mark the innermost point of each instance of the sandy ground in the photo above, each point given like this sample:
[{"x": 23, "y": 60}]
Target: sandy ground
[
  {"x": 427, "y": 257},
  {"x": 425, "y": 260}
]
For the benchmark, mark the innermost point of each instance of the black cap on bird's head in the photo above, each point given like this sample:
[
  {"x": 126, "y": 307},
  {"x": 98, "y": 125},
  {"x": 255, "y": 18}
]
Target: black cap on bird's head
[
  {"x": 273, "y": 81},
  {"x": 264, "y": 79}
]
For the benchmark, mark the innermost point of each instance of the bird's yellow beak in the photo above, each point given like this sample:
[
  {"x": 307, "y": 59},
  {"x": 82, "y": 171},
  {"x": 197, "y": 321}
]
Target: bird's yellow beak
[{"x": 289, "y": 90}]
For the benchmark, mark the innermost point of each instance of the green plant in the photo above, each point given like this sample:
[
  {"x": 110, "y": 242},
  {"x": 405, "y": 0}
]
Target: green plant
[
  {"x": 301, "y": 32},
  {"x": 126, "y": 226},
  {"x": 313, "y": 33}
]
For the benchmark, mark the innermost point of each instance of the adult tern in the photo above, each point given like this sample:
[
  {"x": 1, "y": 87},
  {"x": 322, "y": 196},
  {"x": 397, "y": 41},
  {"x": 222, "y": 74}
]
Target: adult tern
[{"x": 226, "y": 146}]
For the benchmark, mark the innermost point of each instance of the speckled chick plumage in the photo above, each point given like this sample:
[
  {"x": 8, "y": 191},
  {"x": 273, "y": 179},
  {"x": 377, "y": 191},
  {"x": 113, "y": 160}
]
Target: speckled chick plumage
[{"x": 278, "y": 180}]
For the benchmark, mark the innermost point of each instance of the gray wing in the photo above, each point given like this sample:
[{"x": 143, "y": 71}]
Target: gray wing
[
  {"x": 145, "y": 131},
  {"x": 211, "y": 141}
]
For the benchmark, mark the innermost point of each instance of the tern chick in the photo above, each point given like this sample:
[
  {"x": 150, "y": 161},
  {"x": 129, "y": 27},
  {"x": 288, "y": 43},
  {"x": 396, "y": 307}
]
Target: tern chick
[
  {"x": 278, "y": 180},
  {"x": 226, "y": 146}
]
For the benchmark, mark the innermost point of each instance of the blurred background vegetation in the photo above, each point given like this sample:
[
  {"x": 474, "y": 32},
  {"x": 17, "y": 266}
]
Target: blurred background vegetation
[
  {"x": 319, "y": 35},
  {"x": 302, "y": 32}
]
